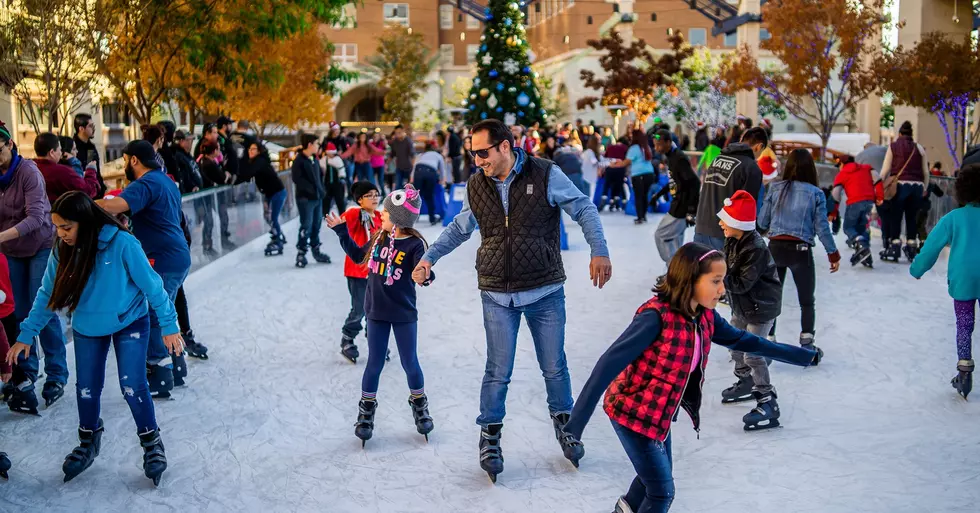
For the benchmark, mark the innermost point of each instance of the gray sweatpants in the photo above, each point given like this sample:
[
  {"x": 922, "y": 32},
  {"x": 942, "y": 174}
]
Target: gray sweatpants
[
  {"x": 747, "y": 364},
  {"x": 669, "y": 236}
]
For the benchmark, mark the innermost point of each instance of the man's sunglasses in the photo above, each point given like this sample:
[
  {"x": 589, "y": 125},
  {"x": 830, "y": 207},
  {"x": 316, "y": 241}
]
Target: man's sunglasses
[{"x": 484, "y": 153}]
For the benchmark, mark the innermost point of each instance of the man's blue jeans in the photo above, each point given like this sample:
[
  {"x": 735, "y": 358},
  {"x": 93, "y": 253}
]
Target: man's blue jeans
[
  {"x": 717, "y": 243},
  {"x": 546, "y": 320},
  {"x": 401, "y": 177},
  {"x": 130, "y": 345},
  {"x": 156, "y": 351},
  {"x": 310, "y": 220},
  {"x": 856, "y": 220},
  {"x": 25, "y": 277},
  {"x": 652, "y": 490}
]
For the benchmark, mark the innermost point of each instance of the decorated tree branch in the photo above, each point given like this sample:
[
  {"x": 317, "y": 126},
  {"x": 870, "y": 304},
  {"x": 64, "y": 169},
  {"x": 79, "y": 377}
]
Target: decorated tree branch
[
  {"x": 938, "y": 74},
  {"x": 826, "y": 48}
]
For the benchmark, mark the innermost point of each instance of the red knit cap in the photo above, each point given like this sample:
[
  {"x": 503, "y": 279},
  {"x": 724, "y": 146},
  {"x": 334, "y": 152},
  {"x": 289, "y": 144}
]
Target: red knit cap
[{"x": 739, "y": 211}]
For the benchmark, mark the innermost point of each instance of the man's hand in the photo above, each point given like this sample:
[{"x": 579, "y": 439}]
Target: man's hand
[
  {"x": 16, "y": 351},
  {"x": 174, "y": 343},
  {"x": 421, "y": 273},
  {"x": 600, "y": 271}
]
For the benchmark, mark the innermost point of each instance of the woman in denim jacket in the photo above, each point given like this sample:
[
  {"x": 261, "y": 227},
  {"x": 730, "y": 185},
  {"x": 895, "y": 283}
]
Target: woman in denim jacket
[{"x": 794, "y": 214}]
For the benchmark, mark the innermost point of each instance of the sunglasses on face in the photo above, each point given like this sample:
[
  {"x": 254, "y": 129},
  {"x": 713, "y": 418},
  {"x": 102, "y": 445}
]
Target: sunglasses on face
[{"x": 484, "y": 153}]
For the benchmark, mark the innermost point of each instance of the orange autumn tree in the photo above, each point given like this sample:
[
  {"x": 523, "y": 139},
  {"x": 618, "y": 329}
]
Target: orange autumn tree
[{"x": 825, "y": 49}]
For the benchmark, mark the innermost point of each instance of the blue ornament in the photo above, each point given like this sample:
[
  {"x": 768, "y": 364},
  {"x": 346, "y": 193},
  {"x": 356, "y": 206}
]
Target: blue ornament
[
  {"x": 525, "y": 70},
  {"x": 483, "y": 115},
  {"x": 500, "y": 109},
  {"x": 483, "y": 48},
  {"x": 500, "y": 86},
  {"x": 523, "y": 99},
  {"x": 507, "y": 21},
  {"x": 520, "y": 113},
  {"x": 472, "y": 107},
  {"x": 493, "y": 73},
  {"x": 476, "y": 81}
]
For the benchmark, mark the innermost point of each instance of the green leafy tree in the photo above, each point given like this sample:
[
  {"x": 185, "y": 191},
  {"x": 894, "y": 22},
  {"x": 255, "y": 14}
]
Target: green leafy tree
[
  {"x": 504, "y": 87},
  {"x": 402, "y": 62}
]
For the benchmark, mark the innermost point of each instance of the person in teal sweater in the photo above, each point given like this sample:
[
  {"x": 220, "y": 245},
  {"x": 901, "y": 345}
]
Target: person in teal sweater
[
  {"x": 959, "y": 230},
  {"x": 99, "y": 273}
]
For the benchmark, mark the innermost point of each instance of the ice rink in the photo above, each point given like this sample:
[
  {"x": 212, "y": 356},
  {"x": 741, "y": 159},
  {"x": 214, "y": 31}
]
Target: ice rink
[{"x": 266, "y": 425}]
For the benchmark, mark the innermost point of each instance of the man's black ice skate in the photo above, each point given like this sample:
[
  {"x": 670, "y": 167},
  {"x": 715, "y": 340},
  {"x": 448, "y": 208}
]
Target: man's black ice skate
[
  {"x": 349, "y": 349},
  {"x": 892, "y": 253},
  {"x": 82, "y": 457},
  {"x": 911, "y": 249},
  {"x": 765, "y": 415},
  {"x": 4, "y": 465},
  {"x": 51, "y": 392},
  {"x": 963, "y": 381},
  {"x": 571, "y": 447},
  {"x": 160, "y": 378},
  {"x": 322, "y": 258},
  {"x": 23, "y": 399},
  {"x": 180, "y": 369},
  {"x": 364, "y": 428},
  {"x": 301, "y": 261},
  {"x": 420, "y": 410},
  {"x": 491, "y": 455},
  {"x": 194, "y": 348},
  {"x": 154, "y": 457},
  {"x": 739, "y": 392}
]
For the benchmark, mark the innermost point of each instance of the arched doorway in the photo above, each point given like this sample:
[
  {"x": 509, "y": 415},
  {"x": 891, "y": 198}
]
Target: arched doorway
[{"x": 363, "y": 103}]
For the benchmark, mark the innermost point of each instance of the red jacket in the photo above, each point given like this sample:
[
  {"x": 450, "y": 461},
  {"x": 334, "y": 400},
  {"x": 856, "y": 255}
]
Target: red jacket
[
  {"x": 59, "y": 179},
  {"x": 645, "y": 396},
  {"x": 360, "y": 237},
  {"x": 7, "y": 305},
  {"x": 860, "y": 183}
]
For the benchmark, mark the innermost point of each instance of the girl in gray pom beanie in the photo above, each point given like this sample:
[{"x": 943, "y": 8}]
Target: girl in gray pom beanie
[{"x": 391, "y": 255}]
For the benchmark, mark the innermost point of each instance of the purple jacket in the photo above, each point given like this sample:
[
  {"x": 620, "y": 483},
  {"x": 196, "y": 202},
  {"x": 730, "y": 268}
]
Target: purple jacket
[{"x": 24, "y": 205}]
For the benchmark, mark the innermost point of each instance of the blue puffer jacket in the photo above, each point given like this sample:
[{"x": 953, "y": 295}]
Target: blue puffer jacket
[
  {"x": 802, "y": 213},
  {"x": 115, "y": 296}
]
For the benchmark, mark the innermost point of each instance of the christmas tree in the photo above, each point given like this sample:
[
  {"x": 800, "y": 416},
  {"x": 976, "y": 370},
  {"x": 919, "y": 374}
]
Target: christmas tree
[{"x": 504, "y": 87}]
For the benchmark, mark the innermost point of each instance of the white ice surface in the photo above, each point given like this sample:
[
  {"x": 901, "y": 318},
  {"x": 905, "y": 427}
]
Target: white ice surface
[{"x": 267, "y": 423}]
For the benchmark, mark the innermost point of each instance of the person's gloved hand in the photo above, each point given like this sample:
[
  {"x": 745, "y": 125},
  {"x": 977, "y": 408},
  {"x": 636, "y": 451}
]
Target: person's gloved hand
[{"x": 691, "y": 220}]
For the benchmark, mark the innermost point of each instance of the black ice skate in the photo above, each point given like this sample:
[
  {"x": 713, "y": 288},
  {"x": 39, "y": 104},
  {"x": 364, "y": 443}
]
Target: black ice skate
[
  {"x": 892, "y": 252},
  {"x": 23, "y": 399},
  {"x": 349, "y": 349},
  {"x": 301, "y": 261},
  {"x": 194, "y": 348},
  {"x": 160, "y": 378},
  {"x": 82, "y": 457},
  {"x": 911, "y": 249},
  {"x": 364, "y": 428},
  {"x": 275, "y": 246},
  {"x": 51, "y": 392},
  {"x": 622, "y": 506},
  {"x": 154, "y": 457},
  {"x": 322, "y": 258},
  {"x": 571, "y": 447},
  {"x": 6, "y": 391},
  {"x": 4, "y": 465},
  {"x": 491, "y": 455},
  {"x": 763, "y": 416},
  {"x": 862, "y": 255},
  {"x": 180, "y": 369},
  {"x": 739, "y": 392},
  {"x": 420, "y": 410},
  {"x": 963, "y": 381}
]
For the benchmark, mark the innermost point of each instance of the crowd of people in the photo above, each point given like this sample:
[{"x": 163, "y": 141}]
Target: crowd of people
[{"x": 115, "y": 261}]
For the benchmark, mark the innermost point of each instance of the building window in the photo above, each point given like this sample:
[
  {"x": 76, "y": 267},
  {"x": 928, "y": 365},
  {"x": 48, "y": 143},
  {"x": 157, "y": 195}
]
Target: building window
[
  {"x": 764, "y": 34},
  {"x": 447, "y": 54},
  {"x": 345, "y": 53},
  {"x": 471, "y": 51},
  {"x": 114, "y": 114},
  {"x": 472, "y": 23},
  {"x": 40, "y": 114},
  {"x": 396, "y": 13},
  {"x": 348, "y": 17},
  {"x": 446, "y": 17},
  {"x": 731, "y": 39},
  {"x": 697, "y": 36}
]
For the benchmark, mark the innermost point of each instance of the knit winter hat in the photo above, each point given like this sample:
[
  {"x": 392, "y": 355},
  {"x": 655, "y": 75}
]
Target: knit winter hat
[
  {"x": 361, "y": 189},
  {"x": 403, "y": 206},
  {"x": 739, "y": 211}
]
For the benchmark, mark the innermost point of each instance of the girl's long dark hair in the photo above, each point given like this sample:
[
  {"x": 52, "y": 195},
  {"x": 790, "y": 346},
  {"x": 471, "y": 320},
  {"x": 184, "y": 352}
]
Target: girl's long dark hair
[
  {"x": 799, "y": 168},
  {"x": 380, "y": 237},
  {"x": 75, "y": 263},
  {"x": 676, "y": 287},
  {"x": 640, "y": 139}
]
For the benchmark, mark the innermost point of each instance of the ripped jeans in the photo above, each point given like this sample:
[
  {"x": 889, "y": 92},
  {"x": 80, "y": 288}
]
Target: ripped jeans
[{"x": 129, "y": 346}]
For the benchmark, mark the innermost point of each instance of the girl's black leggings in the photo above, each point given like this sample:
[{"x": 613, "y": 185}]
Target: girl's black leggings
[{"x": 797, "y": 257}]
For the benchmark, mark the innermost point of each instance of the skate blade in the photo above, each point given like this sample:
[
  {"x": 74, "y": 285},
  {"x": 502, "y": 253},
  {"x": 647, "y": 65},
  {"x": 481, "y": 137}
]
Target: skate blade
[
  {"x": 762, "y": 427},
  {"x": 493, "y": 478},
  {"x": 167, "y": 397},
  {"x": 4, "y": 475},
  {"x": 737, "y": 400},
  {"x": 25, "y": 411},
  {"x": 156, "y": 480},
  {"x": 199, "y": 357}
]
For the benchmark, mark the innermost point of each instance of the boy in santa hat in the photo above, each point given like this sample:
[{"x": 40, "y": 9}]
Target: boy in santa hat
[
  {"x": 755, "y": 295},
  {"x": 335, "y": 171}
]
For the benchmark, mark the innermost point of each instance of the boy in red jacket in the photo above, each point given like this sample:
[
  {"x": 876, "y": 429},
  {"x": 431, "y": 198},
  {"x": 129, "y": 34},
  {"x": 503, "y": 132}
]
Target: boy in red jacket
[
  {"x": 59, "y": 178},
  {"x": 362, "y": 224},
  {"x": 863, "y": 188}
]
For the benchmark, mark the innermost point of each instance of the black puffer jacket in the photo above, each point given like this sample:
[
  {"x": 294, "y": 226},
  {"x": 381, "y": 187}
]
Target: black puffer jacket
[{"x": 752, "y": 283}]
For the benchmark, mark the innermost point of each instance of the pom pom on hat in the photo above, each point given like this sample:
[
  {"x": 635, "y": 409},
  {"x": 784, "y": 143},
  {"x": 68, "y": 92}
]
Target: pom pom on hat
[{"x": 739, "y": 211}]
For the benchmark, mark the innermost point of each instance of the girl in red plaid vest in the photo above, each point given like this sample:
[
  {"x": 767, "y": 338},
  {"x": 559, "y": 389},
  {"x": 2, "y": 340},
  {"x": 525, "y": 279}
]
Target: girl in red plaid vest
[{"x": 656, "y": 367}]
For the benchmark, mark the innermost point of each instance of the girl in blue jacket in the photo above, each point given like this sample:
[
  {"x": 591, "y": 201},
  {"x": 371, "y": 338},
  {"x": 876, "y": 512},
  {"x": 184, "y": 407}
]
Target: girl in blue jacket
[
  {"x": 99, "y": 273},
  {"x": 959, "y": 230}
]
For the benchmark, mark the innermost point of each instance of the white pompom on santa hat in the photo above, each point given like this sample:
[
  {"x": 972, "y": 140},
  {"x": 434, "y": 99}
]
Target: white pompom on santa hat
[{"x": 739, "y": 211}]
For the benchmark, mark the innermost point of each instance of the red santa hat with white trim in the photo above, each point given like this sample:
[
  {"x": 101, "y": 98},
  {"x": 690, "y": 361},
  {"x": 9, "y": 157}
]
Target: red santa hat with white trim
[
  {"x": 769, "y": 167},
  {"x": 739, "y": 211}
]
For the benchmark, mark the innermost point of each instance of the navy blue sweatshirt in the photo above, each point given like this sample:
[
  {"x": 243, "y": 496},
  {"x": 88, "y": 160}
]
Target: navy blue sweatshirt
[
  {"x": 645, "y": 330},
  {"x": 395, "y": 302}
]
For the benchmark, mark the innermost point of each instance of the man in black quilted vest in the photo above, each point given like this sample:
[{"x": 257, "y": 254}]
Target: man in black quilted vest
[{"x": 517, "y": 202}]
